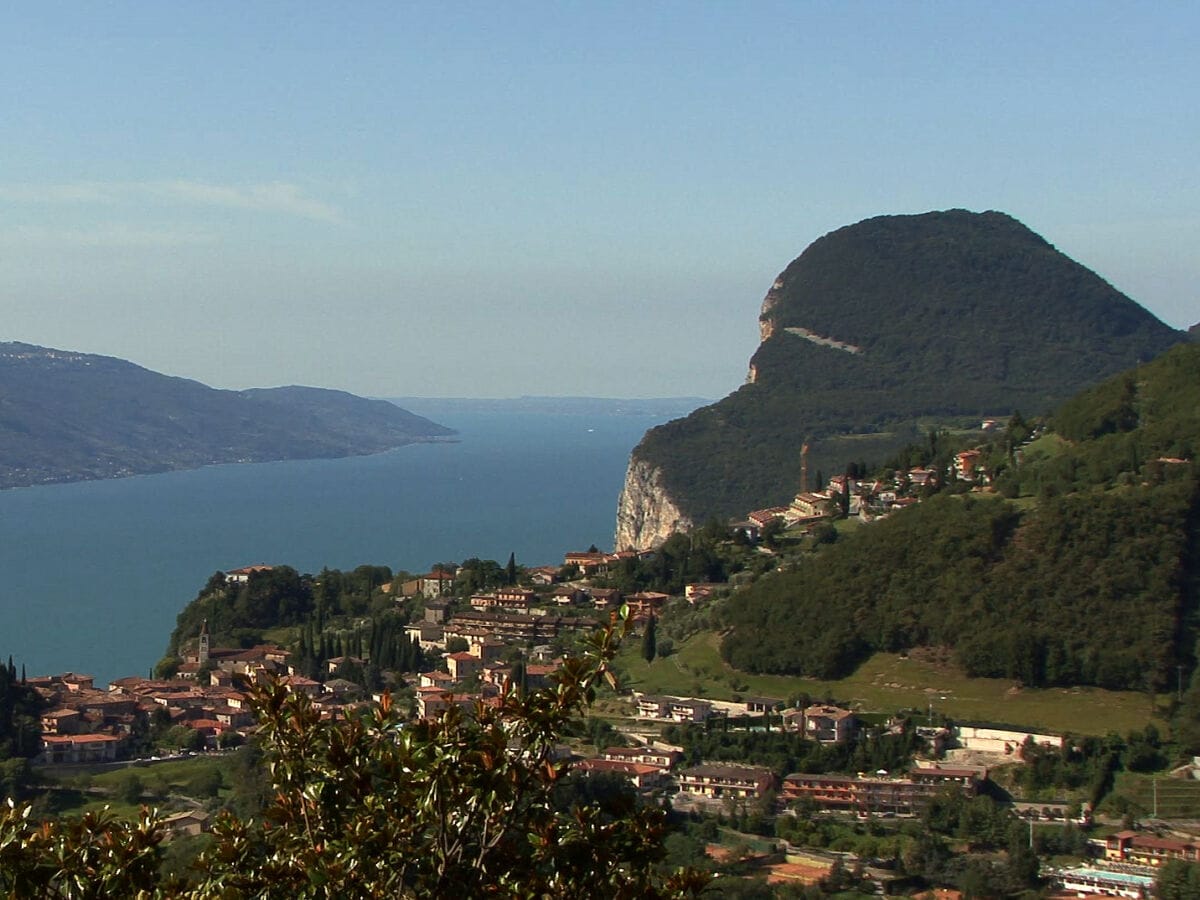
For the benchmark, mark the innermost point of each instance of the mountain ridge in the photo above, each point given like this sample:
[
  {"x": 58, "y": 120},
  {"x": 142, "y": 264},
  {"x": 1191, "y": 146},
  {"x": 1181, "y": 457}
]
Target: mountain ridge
[{"x": 72, "y": 416}]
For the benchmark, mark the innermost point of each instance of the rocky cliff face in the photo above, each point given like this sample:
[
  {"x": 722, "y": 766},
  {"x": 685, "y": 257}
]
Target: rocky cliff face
[
  {"x": 646, "y": 515},
  {"x": 766, "y": 322}
]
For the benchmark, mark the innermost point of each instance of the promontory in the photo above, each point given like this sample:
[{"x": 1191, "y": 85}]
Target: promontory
[{"x": 875, "y": 333}]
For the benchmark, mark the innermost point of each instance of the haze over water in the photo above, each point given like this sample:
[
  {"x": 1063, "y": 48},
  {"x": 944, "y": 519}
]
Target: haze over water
[{"x": 94, "y": 573}]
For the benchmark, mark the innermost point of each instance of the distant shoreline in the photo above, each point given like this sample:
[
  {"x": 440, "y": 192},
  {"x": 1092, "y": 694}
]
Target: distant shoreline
[
  {"x": 10, "y": 485},
  {"x": 566, "y": 406}
]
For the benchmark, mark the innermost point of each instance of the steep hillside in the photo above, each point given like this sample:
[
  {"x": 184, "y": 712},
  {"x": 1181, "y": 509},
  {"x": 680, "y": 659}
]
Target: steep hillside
[
  {"x": 73, "y": 416},
  {"x": 877, "y": 329},
  {"x": 1096, "y": 582}
]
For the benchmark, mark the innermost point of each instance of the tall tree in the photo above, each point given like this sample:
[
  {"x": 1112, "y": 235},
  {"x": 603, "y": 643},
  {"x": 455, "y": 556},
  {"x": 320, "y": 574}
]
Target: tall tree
[{"x": 650, "y": 639}]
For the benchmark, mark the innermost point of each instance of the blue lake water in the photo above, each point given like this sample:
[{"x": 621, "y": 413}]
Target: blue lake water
[{"x": 93, "y": 574}]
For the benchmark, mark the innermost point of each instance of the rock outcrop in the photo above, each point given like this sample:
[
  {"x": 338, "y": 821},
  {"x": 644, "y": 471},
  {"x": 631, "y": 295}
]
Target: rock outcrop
[{"x": 646, "y": 514}]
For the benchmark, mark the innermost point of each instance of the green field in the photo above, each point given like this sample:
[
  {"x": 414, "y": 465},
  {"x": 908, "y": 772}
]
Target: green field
[
  {"x": 888, "y": 682},
  {"x": 170, "y": 776},
  {"x": 283, "y": 635},
  {"x": 1172, "y": 798},
  {"x": 165, "y": 785},
  {"x": 1045, "y": 447}
]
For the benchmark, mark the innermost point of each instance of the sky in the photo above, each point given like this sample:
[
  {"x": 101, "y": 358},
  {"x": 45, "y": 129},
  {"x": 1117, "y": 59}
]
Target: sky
[{"x": 573, "y": 198}]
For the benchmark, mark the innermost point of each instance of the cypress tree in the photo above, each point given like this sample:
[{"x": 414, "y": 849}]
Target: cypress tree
[
  {"x": 393, "y": 649},
  {"x": 650, "y": 640}
]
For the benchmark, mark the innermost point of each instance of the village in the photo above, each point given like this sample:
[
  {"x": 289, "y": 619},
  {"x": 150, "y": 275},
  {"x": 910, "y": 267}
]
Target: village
[
  {"x": 512, "y": 637},
  {"x": 207, "y": 695}
]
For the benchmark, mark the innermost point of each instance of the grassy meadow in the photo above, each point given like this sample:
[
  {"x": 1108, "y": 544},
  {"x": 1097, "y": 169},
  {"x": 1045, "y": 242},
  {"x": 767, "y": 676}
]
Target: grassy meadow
[
  {"x": 124, "y": 789},
  {"x": 1145, "y": 795},
  {"x": 888, "y": 682}
]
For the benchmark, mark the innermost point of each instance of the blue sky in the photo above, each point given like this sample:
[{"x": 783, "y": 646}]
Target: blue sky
[{"x": 533, "y": 198}]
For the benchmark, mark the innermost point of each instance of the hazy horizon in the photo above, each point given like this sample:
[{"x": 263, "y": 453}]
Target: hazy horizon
[{"x": 490, "y": 202}]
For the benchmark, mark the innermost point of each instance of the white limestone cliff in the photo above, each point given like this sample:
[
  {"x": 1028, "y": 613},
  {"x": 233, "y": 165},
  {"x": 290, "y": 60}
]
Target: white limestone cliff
[
  {"x": 766, "y": 322},
  {"x": 646, "y": 514}
]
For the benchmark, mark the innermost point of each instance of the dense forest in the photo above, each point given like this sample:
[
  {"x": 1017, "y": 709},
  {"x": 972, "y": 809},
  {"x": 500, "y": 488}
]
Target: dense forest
[
  {"x": 956, "y": 315},
  {"x": 1091, "y": 579}
]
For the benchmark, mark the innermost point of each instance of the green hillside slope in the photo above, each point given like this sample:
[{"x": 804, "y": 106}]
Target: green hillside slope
[{"x": 1097, "y": 581}]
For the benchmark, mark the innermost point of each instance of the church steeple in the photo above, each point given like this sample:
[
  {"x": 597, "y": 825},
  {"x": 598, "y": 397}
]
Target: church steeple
[{"x": 202, "y": 644}]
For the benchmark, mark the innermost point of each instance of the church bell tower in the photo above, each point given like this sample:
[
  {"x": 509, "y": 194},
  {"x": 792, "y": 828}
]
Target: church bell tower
[{"x": 202, "y": 644}]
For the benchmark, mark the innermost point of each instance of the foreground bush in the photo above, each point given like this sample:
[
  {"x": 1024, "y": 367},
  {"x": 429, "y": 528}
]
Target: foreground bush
[{"x": 459, "y": 807}]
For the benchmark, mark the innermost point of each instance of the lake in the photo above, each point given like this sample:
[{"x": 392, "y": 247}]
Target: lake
[{"x": 93, "y": 574}]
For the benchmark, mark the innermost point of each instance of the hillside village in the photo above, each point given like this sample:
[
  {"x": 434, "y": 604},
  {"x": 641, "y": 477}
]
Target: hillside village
[
  {"x": 868, "y": 499},
  {"x": 474, "y": 640},
  {"x": 476, "y": 645}
]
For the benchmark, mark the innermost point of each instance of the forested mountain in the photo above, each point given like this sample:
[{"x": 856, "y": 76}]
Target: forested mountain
[
  {"x": 1093, "y": 579},
  {"x": 68, "y": 416},
  {"x": 895, "y": 321}
]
